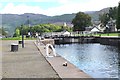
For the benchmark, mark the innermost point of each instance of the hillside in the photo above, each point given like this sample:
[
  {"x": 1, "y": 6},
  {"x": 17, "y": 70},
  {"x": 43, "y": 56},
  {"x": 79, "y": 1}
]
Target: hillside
[
  {"x": 95, "y": 14},
  {"x": 11, "y": 21}
]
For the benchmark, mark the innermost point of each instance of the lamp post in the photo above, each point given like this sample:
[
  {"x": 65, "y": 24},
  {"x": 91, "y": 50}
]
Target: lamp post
[
  {"x": 22, "y": 37},
  {"x": 22, "y": 41},
  {"x": 28, "y": 21}
]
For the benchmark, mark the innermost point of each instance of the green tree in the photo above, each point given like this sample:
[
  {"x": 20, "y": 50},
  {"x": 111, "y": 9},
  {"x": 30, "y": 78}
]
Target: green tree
[
  {"x": 41, "y": 28},
  {"x": 2, "y": 31},
  {"x": 104, "y": 18},
  {"x": 118, "y": 17},
  {"x": 113, "y": 13},
  {"x": 17, "y": 33},
  {"x": 81, "y": 21},
  {"x": 24, "y": 29}
]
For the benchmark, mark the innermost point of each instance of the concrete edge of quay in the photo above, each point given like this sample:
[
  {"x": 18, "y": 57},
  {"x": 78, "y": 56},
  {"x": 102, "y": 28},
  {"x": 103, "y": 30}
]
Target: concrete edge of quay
[
  {"x": 71, "y": 71},
  {"x": 45, "y": 58}
]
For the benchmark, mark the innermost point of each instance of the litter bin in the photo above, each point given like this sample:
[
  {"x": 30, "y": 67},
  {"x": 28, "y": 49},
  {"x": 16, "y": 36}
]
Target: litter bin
[{"x": 14, "y": 47}]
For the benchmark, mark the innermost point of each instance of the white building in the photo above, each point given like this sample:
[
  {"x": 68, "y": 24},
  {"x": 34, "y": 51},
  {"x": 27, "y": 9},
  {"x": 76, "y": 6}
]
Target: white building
[
  {"x": 66, "y": 33},
  {"x": 111, "y": 25},
  {"x": 64, "y": 24},
  {"x": 95, "y": 29}
]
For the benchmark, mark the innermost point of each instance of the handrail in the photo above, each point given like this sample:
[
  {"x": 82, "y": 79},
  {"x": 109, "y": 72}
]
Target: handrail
[{"x": 47, "y": 50}]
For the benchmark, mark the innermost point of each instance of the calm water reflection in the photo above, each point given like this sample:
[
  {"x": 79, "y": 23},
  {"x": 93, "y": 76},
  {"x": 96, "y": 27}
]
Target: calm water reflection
[{"x": 99, "y": 61}]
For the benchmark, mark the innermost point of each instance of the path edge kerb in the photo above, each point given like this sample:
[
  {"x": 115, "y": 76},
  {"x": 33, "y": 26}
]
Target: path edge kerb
[{"x": 46, "y": 59}]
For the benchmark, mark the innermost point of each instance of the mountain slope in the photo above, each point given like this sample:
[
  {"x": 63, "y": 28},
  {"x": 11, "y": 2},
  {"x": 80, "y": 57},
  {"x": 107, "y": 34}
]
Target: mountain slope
[{"x": 11, "y": 21}]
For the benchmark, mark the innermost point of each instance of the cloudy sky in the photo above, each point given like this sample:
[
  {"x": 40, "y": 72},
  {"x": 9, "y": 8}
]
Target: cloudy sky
[{"x": 53, "y": 7}]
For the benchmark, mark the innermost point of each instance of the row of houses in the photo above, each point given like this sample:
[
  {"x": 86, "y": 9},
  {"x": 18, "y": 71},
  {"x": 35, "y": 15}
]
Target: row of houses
[{"x": 99, "y": 27}]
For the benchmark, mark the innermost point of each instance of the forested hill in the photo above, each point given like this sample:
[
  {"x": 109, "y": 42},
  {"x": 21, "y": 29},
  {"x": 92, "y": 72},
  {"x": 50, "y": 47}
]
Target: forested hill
[
  {"x": 15, "y": 19},
  {"x": 11, "y": 21}
]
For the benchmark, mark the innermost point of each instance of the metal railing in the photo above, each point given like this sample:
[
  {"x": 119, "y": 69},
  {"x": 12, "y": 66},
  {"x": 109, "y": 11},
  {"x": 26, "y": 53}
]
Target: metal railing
[{"x": 78, "y": 33}]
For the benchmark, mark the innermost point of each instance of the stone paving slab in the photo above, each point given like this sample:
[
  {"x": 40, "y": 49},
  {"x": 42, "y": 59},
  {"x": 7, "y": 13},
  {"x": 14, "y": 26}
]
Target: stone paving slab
[{"x": 25, "y": 63}]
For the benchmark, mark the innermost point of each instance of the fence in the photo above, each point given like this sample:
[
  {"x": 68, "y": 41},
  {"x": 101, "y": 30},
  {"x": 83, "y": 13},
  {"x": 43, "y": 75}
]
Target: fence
[{"x": 78, "y": 33}]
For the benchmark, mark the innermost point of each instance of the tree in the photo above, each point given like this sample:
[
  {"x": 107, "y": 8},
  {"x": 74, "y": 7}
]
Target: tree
[
  {"x": 2, "y": 31},
  {"x": 81, "y": 21},
  {"x": 17, "y": 33},
  {"x": 118, "y": 17},
  {"x": 40, "y": 28},
  {"x": 104, "y": 18},
  {"x": 112, "y": 14}
]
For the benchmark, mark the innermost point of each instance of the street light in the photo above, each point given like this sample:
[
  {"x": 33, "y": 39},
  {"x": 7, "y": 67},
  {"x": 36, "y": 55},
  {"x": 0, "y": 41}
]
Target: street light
[
  {"x": 28, "y": 21},
  {"x": 22, "y": 36}
]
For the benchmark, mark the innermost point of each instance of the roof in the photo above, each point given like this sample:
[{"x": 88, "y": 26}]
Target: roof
[
  {"x": 66, "y": 33},
  {"x": 95, "y": 29}
]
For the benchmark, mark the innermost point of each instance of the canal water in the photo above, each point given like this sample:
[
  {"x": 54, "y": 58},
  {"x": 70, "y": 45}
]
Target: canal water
[{"x": 99, "y": 61}]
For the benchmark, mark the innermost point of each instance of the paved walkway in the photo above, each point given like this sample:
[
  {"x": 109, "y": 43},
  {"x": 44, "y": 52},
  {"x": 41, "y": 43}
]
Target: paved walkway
[
  {"x": 0, "y": 59},
  {"x": 26, "y": 63}
]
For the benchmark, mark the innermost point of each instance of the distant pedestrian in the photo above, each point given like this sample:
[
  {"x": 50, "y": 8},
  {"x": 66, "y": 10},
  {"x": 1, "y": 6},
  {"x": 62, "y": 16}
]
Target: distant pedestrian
[
  {"x": 29, "y": 34},
  {"x": 36, "y": 34}
]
